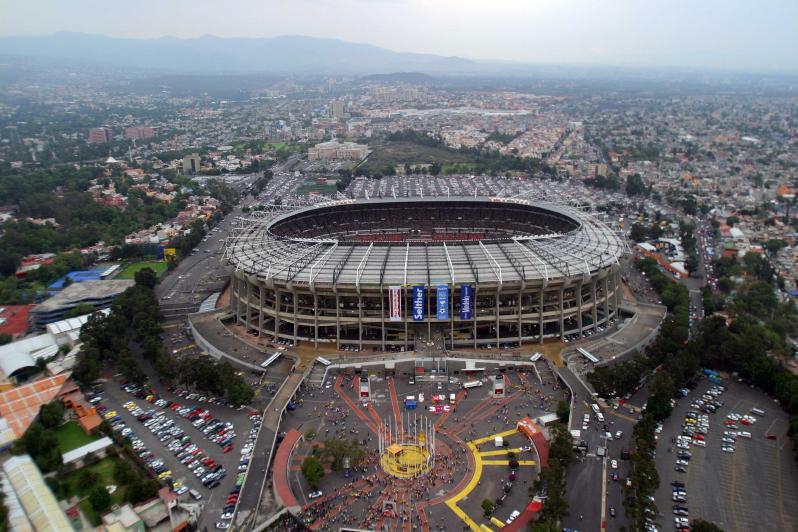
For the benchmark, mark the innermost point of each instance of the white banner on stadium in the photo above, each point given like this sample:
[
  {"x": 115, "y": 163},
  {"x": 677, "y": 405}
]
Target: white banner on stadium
[{"x": 394, "y": 303}]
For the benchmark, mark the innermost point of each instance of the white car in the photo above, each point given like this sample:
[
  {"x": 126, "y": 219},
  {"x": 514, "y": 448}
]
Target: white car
[
  {"x": 315, "y": 494},
  {"x": 614, "y": 464},
  {"x": 512, "y": 517},
  {"x": 727, "y": 449},
  {"x": 744, "y": 434},
  {"x": 700, "y": 443}
]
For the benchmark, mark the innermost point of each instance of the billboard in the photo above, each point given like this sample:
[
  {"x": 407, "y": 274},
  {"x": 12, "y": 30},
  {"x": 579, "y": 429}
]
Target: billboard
[
  {"x": 169, "y": 254},
  {"x": 443, "y": 302},
  {"x": 466, "y": 301},
  {"x": 395, "y": 303},
  {"x": 418, "y": 303}
]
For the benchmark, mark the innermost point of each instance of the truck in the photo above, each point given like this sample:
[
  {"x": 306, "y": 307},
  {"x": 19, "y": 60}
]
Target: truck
[
  {"x": 710, "y": 372},
  {"x": 498, "y": 441},
  {"x": 410, "y": 403}
]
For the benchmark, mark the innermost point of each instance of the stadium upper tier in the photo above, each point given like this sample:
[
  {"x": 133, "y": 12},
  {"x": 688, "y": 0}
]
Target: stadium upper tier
[{"x": 423, "y": 241}]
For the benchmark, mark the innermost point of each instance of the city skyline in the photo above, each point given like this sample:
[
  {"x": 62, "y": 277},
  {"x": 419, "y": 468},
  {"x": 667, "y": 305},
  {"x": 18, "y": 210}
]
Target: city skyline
[{"x": 718, "y": 35}]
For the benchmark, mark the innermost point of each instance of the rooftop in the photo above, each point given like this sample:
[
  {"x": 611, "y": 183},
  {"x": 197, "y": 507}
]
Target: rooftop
[{"x": 86, "y": 291}]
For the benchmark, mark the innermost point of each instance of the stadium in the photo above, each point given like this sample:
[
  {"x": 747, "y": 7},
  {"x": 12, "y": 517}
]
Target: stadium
[{"x": 378, "y": 274}]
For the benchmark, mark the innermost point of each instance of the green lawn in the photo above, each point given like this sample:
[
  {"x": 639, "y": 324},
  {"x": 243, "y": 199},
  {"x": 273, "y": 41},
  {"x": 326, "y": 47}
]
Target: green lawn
[
  {"x": 71, "y": 486},
  {"x": 130, "y": 270},
  {"x": 310, "y": 185},
  {"x": 71, "y": 436}
]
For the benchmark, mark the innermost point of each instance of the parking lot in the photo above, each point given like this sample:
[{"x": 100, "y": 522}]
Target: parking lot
[
  {"x": 749, "y": 488},
  {"x": 175, "y": 438}
]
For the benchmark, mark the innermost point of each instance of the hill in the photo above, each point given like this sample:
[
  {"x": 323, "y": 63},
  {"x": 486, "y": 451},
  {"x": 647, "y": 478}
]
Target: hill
[{"x": 208, "y": 54}]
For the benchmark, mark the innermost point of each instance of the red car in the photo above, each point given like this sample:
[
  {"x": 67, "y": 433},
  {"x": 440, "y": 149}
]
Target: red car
[
  {"x": 698, "y": 437},
  {"x": 729, "y": 422},
  {"x": 745, "y": 421},
  {"x": 770, "y": 436},
  {"x": 227, "y": 448}
]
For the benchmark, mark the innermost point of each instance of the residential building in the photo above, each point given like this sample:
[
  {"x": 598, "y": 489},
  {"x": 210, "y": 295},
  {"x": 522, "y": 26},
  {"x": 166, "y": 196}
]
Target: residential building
[
  {"x": 191, "y": 164},
  {"x": 140, "y": 132},
  {"x": 338, "y": 109},
  {"x": 99, "y": 135}
]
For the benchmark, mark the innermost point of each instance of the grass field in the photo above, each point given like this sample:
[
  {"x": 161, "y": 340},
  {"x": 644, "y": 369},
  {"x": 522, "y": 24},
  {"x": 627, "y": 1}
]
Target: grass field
[
  {"x": 310, "y": 185},
  {"x": 130, "y": 270},
  {"x": 71, "y": 436},
  {"x": 391, "y": 153},
  {"x": 104, "y": 471}
]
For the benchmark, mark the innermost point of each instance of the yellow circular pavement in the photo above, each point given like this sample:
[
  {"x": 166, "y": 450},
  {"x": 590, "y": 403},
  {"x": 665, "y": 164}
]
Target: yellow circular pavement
[{"x": 405, "y": 460}]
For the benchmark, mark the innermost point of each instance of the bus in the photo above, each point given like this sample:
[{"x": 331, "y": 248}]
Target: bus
[
  {"x": 535, "y": 357},
  {"x": 271, "y": 359},
  {"x": 323, "y": 361},
  {"x": 472, "y": 384}
]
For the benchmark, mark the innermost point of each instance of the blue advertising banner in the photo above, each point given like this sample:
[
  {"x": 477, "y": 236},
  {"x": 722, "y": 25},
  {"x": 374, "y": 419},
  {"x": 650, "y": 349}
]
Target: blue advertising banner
[
  {"x": 466, "y": 301},
  {"x": 443, "y": 302},
  {"x": 418, "y": 303}
]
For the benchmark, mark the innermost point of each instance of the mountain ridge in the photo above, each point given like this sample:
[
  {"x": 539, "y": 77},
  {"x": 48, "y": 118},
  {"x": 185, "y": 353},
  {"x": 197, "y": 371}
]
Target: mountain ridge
[{"x": 281, "y": 54}]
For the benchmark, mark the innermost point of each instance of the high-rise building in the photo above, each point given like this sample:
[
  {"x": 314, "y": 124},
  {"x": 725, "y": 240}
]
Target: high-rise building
[
  {"x": 139, "y": 132},
  {"x": 191, "y": 164},
  {"x": 99, "y": 135},
  {"x": 337, "y": 109}
]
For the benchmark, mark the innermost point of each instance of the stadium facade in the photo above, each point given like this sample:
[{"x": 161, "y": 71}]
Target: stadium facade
[{"x": 375, "y": 274}]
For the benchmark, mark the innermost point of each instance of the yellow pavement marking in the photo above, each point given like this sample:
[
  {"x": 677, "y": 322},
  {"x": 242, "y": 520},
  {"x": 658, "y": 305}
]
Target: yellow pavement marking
[
  {"x": 452, "y": 502},
  {"x": 497, "y": 522},
  {"x": 507, "y": 462},
  {"x": 480, "y": 441},
  {"x": 472, "y": 483},
  {"x": 499, "y": 452},
  {"x": 171, "y": 325}
]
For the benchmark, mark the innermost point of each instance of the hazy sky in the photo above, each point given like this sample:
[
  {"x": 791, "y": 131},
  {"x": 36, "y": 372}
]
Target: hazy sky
[{"x": 717, "y": 33}]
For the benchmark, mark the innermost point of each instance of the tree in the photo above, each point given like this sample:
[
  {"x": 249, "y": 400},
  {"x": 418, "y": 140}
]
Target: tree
[
  {"x": 51, "y": 415},
  {"x": 635, "y": 185},
  {"x": 42, "y": 445},
  {"x": 146, "y": 277},
  {"x": 88, "y": 477},
  {"x": 487, "y": 507},
  {"x": 563, "y": 410},
  {"x": 731, "y": 220},
  {"x": 99, "y": 499},
  {"x": 699, "y": 525},
  {"x": 313, "y": 471},
  {"x": 79, "y": 310},
  {"x": 638, "y": 233},
  {"x": 124, "y": 474}
]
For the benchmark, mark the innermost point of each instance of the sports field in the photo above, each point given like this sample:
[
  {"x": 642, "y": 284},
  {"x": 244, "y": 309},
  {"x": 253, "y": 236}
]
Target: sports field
[{"x": 130, "y": 270}]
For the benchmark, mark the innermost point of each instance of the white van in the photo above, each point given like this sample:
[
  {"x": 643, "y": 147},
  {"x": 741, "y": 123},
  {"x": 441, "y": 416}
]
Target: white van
[{"x": 600, "y": 417}]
